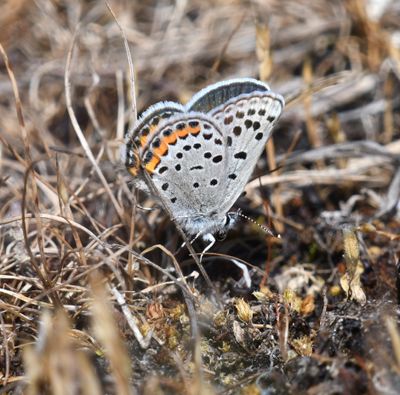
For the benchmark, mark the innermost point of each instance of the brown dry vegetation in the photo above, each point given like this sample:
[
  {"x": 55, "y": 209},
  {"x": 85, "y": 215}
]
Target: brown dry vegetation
[{"x": 90, "y": 299}]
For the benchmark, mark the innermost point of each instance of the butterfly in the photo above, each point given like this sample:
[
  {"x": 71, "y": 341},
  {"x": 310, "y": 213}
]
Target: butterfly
[{"x": 198, "y": 157}]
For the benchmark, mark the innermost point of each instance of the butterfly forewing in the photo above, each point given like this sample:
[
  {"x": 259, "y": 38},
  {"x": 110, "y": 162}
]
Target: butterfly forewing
[
  {"x": 186, "y": 160},
  {"x": 215, "y": 95},
  {"x": 247, "y": 123}
]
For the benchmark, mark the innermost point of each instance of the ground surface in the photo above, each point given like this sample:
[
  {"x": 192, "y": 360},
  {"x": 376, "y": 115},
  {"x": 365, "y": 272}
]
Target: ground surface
[{"x": 90, "y": 301}]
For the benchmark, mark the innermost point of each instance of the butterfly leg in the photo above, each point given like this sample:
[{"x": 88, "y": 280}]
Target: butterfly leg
[
  {"x": 191, "y": 241},
  {"x": 207, "y": 237}
]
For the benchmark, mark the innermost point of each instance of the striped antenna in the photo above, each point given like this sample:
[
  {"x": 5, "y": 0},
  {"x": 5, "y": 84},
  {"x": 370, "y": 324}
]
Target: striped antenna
[{"x": 239, "y": 213}]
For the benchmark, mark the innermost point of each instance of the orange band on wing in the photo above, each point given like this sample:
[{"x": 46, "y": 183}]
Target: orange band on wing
[
  {"x": 151, "y": 166},
  {"x": 143, "y": 139},
  {"x": 162, "y": 150}
]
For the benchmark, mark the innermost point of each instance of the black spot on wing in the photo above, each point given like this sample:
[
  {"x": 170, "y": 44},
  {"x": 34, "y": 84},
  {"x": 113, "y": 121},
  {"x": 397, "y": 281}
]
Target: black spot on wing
[
  {"x": 217, "y": 158},
  {"x": 155, "y": 121},
  {"x": 167, "y": 132},
  {"x": 147, "y": 157},
  {"x": 248, "y": 123},
  {"x": 240, "y": 155},
  {"x": 237, "y": 130},
  {"x": 228, "y": 120},
  {"x": 145, "y": 131},
  {"x": 156, "y": 143}
]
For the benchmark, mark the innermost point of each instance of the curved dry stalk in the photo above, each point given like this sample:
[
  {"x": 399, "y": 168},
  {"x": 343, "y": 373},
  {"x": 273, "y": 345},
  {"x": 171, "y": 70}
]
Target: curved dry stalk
[{"x": 79, "y": 133}]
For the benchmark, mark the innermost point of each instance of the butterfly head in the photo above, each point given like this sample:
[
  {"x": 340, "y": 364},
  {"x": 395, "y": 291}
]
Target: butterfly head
[{"x": 214, "y": 223}]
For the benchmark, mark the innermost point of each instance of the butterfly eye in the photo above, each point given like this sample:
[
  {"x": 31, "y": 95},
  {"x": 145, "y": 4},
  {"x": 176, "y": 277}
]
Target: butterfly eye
[{"x": 221, "y": 235}]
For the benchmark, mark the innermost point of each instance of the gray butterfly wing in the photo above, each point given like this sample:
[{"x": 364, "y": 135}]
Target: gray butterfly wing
[
  {"x": 186, "y": 160},
  {"x": 247, "y": 122},
  {"x": 214, "y": 95}
]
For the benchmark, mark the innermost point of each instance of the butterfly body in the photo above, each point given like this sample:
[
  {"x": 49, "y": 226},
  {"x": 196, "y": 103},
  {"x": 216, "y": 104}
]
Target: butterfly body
[{"x": 199, "y": 157}]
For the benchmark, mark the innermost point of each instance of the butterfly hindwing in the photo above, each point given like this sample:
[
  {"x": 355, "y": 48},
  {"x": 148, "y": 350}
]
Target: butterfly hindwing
[{"x": 147, "y": 125}]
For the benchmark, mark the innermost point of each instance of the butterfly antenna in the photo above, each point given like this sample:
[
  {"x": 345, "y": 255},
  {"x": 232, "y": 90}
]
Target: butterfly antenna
[{"x": 262, "y": 227}]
